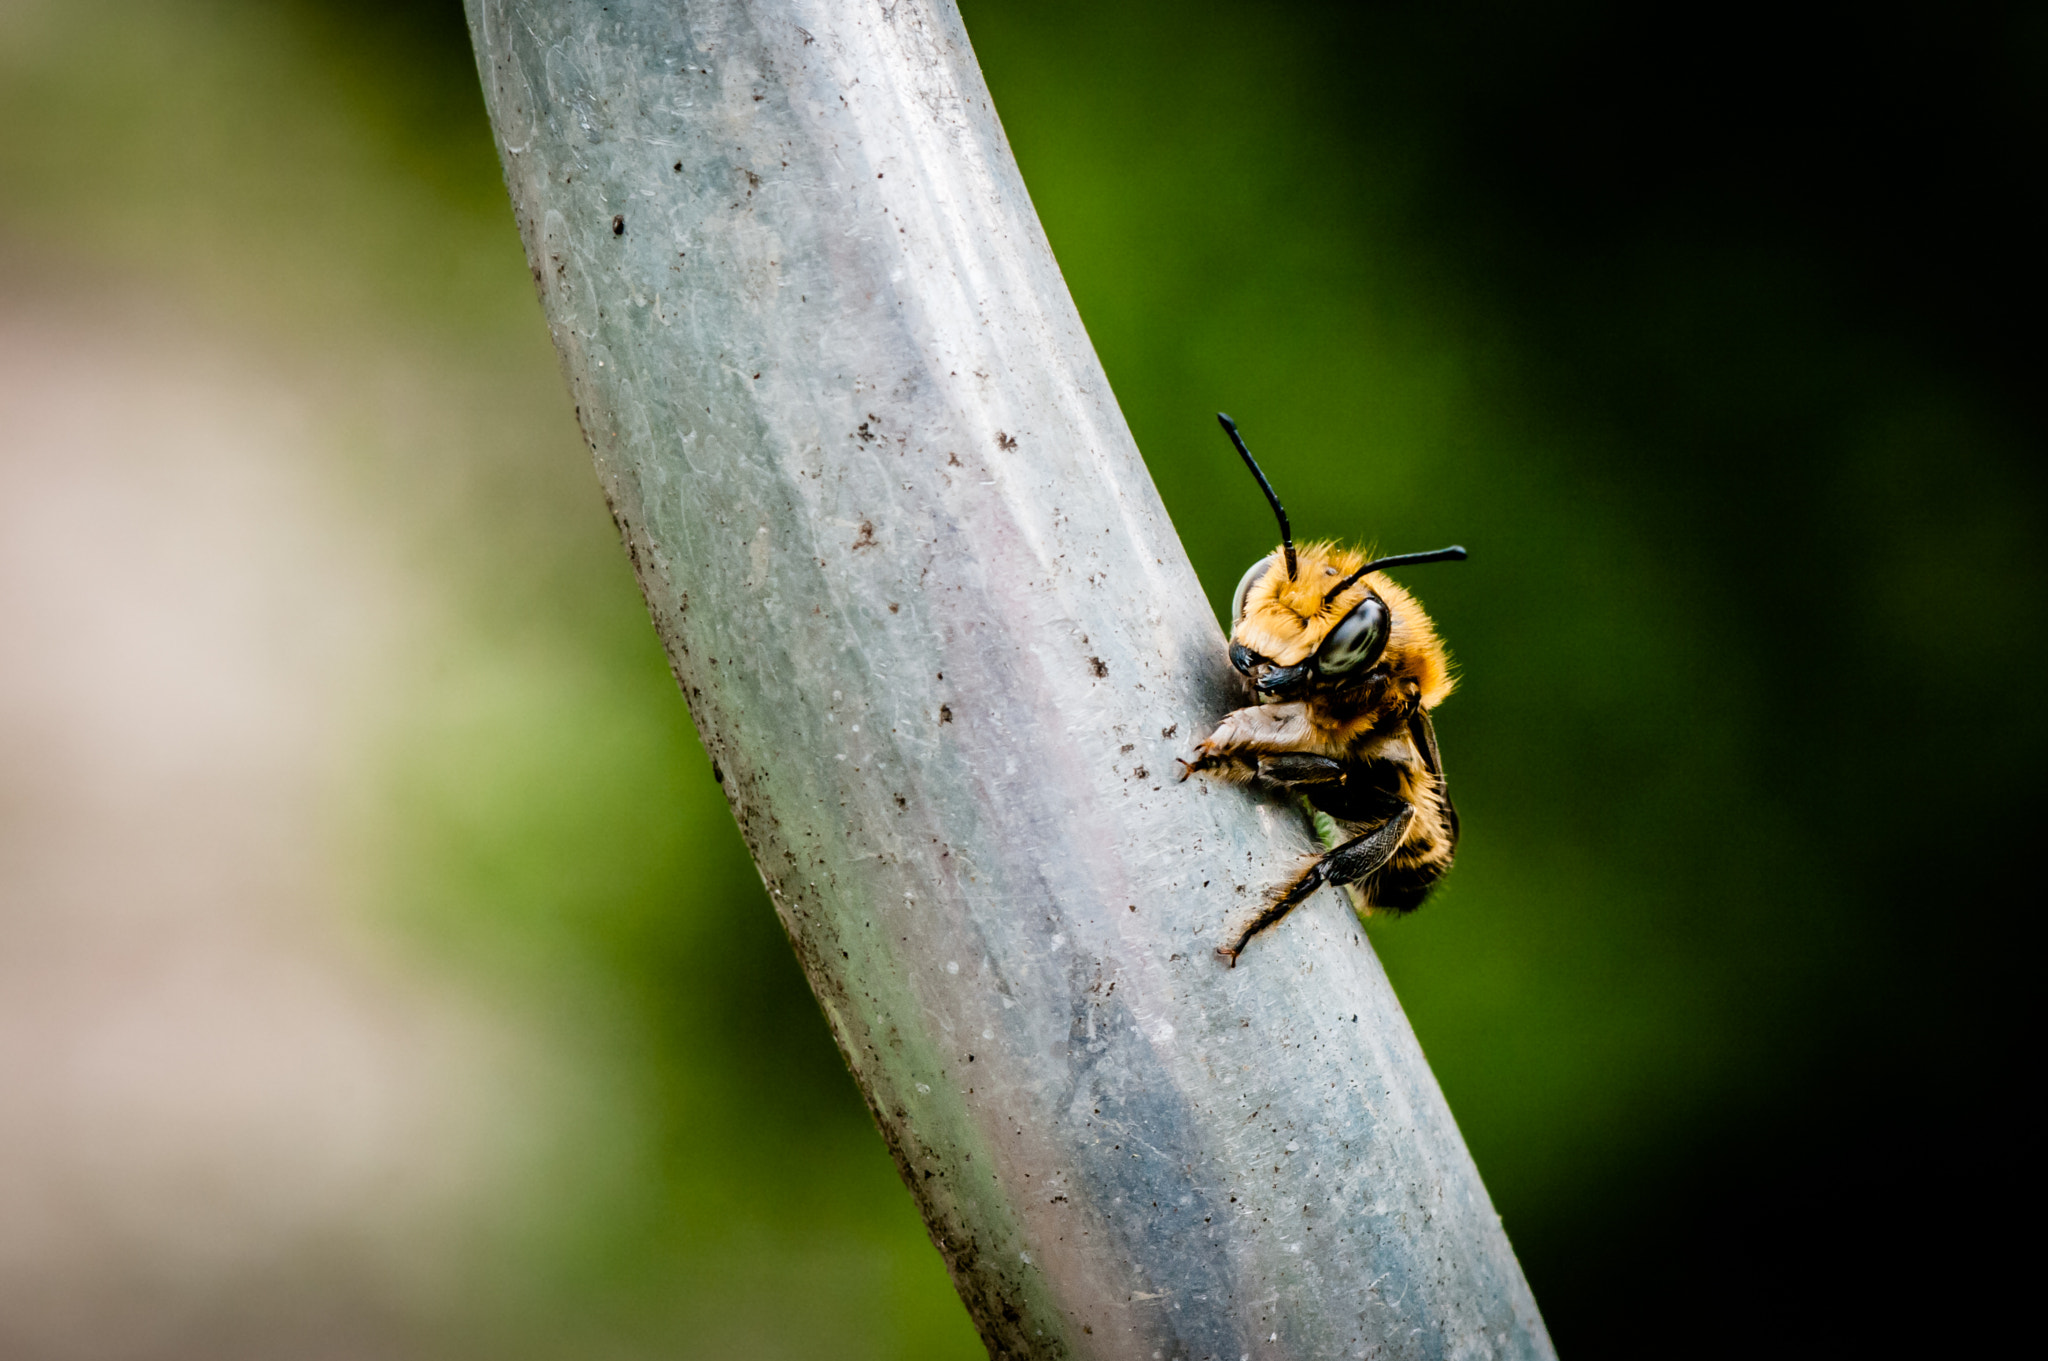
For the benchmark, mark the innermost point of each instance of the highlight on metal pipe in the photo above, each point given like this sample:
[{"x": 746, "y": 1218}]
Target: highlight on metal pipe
[{"x": 943, "y": 645}]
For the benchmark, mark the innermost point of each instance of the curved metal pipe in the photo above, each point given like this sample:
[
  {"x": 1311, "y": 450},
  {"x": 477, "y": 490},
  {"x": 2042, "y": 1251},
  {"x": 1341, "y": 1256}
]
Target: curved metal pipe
[{"x": 943, "y": 645}]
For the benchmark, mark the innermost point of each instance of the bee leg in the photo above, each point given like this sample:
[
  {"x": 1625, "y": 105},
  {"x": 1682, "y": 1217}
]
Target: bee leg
[
  {"x": 1349, "y": 863},
  {"x": 1231, "y": 751},
  {"x": 1300, "y": 770},
  {"x": 1229, "y": 767}
]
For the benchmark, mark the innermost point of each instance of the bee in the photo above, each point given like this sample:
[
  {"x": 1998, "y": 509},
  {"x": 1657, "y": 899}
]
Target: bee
[{"x": 1346, "y": 668}]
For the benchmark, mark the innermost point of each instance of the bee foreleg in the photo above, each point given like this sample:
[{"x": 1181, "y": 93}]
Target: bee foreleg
[
  {"x": 1231, "y": 750},
  {"x": 1348, "y": 864}
]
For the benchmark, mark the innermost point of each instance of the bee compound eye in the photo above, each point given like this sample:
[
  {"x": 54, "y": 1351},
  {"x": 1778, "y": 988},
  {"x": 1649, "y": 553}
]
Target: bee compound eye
[
  {"x": 1244, "y": 587},
  {"x": 1358, "y": 640}
]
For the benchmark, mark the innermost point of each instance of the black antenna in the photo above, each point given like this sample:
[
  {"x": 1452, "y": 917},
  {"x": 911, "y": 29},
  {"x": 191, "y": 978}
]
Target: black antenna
[
  {"x": 1451, "y": 554},
  {"x": 1286, "y": 534}
]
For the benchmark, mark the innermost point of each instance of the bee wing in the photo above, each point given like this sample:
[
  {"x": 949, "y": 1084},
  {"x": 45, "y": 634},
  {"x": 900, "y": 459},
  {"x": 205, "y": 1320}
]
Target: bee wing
[{"x": 1423, "y": 733}]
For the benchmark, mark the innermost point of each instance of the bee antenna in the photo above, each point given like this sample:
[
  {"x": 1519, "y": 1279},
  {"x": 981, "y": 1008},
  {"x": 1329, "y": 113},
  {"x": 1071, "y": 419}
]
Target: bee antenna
[
  {"x": 1279, "y": 512},
  {"x": 1452, "y": 554}
]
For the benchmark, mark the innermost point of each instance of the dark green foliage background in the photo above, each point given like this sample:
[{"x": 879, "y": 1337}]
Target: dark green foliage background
[{"x": 1714, "y": 335}]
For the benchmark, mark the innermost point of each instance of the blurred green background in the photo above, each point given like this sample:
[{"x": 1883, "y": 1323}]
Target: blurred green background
[{"x": 1713, "y": 335}]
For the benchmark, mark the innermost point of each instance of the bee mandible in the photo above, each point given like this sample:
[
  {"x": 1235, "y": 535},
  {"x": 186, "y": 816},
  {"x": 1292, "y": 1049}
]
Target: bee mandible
[{"x": 1346, "y": 668}]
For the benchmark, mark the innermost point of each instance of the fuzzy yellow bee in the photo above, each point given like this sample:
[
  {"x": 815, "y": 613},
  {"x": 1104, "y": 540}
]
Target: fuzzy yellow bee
[{"x": 1346, "y": 668}]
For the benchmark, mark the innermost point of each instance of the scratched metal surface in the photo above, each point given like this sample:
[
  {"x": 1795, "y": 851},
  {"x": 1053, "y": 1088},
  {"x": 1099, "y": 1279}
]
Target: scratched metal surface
[{"x": 943, "y": 645}]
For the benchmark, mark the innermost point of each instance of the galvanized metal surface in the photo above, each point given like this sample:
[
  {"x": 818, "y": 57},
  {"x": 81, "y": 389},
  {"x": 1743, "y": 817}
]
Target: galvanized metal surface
[{"x": 944, "y": 646}]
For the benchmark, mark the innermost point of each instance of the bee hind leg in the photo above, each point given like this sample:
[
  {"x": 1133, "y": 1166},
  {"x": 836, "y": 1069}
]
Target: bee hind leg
[{"x": 1348, "y": 864}]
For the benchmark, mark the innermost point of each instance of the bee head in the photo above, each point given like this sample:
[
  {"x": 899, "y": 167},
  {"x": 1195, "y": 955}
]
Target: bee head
[{"x": 1316, "y": 617}]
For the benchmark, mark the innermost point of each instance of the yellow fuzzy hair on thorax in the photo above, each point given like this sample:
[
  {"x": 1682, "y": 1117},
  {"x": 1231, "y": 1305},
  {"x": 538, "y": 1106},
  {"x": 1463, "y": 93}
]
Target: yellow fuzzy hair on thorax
[{"x": 1286, "y": 621}]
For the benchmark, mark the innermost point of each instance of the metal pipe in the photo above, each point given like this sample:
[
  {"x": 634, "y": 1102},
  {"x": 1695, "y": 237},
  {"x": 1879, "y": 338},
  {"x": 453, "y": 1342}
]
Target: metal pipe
[{"x": 943, "y": 647}]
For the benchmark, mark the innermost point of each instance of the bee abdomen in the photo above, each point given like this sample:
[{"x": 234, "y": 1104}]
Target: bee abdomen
[{"x": 1400, "y": 887}]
